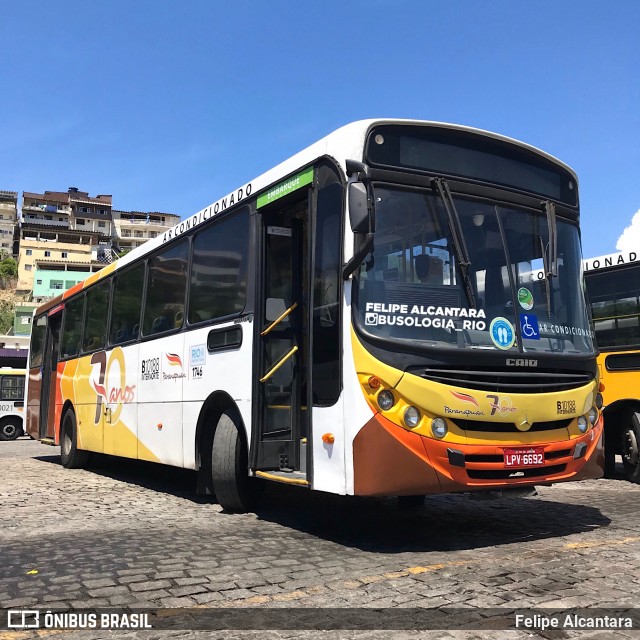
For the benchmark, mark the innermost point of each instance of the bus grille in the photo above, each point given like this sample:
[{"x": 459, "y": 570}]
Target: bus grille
[
  {"x": 501, "y": 381},
  {"x": 508, "y": 427}
]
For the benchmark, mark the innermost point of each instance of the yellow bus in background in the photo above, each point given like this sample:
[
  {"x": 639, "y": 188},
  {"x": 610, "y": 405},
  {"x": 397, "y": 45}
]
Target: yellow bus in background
[
  {"x": 613, "y": 286},
  {"x": 11, "y": 403}
]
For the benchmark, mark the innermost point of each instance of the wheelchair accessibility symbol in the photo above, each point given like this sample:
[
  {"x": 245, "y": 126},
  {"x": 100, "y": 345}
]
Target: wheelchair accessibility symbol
[{"x": 529, "y": 326}]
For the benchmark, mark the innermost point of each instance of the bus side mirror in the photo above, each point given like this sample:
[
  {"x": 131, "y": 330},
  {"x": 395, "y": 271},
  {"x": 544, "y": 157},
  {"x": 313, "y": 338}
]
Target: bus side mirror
[{"x": 361, "y": 214}]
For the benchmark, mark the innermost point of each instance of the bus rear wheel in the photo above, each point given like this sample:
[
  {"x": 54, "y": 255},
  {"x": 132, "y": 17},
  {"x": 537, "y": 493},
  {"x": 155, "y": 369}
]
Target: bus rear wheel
[
  {"x": 630, "y": 446},
  {"x": 10, "y": 428},
  {"x": 229, "y": 466},
  {"x": 70, "y": 456}
]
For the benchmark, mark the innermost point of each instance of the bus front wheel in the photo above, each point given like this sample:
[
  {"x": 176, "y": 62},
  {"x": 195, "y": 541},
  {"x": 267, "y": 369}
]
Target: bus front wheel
[
  {"x": 70, "y": 456},
  {"x": 630, "y": 446},
  {"x": 10, "y": 428},
  {"x": 229, "y": 466}
]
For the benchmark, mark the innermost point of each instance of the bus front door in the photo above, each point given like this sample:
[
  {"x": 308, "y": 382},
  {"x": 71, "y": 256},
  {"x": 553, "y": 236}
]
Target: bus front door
[
  {"x": 280, "y": 412},
  {"x": 50, "y": 377}
]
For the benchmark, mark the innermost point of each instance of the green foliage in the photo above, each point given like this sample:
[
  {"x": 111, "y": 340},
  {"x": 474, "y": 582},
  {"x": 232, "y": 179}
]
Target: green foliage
[
  {"x": 8, "y": 268},
  {"x": 7, "y": 312}
]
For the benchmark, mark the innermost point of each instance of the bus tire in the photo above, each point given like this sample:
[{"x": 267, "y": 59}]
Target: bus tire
[
  {"x": 229, "y": 470},
  {"x": 70, "y": 456},
  {"x": 630, "y": 447},
  {"x": 10, "y": 428}
]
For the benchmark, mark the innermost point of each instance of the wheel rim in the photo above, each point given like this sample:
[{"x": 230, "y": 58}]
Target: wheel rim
[
  {"x": 9, "y": 430},
  {"x": 66, "y": 442},
  {"x": 630, "y": 447}
]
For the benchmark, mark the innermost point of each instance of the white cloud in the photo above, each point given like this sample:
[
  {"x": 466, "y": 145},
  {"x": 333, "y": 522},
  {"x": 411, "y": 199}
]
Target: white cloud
[{"x": 630, "y": 238}]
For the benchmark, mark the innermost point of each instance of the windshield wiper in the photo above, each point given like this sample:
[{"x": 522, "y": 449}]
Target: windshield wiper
[
  {"x": 551, "y": 270},
  {"x": 550, "y": 252},
  {"x": 547, "y": 284},
  {"x": 459, "y": 245}
]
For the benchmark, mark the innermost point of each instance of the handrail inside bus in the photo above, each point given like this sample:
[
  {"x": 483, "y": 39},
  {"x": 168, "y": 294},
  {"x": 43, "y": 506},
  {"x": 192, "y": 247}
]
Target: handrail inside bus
[
  {"x": 282, "y": 360},
  {"x": 278, "y": 320}
]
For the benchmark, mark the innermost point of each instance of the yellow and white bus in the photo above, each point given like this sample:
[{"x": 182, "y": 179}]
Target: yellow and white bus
[
  {"x": 11, "y": 403},
  {"x": 361, "y": 319},
  {"x": 613, "y": 287}
]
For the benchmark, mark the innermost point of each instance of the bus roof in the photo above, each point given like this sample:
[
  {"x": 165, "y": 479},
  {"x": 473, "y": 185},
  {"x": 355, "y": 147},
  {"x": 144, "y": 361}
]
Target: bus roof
[{"x": 344, "y": 143}]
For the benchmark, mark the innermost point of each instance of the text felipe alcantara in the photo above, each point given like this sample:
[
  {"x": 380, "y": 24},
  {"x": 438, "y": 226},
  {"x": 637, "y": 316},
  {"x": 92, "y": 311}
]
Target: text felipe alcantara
[{"x": 572, "y": 621}]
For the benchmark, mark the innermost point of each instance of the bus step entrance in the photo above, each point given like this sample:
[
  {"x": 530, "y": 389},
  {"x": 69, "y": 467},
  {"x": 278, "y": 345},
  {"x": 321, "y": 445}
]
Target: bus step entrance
[{"x": 288, "y": 477}]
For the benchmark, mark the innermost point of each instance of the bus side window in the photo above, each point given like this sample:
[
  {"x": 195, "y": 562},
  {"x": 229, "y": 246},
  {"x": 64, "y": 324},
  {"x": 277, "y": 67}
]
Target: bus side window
[
  {"x": 72, "y": 332},
  {"x": 96, "y": 317},
  {"x": 38, "y": 334},
  {"x": 326, "y": 372},
  {"x": 127, "y": 305},
  {"x": 166, "y": 289},
  {"x": 218, "y": 281},
  {"x": 12, "y": 388}
]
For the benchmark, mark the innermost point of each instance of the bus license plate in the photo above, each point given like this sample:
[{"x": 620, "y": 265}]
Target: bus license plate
[{"x": 524, "y": 457}]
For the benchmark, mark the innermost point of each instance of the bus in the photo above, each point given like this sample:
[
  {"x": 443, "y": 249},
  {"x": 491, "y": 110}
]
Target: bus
[
  {"x": 361, "y": 319},
  {"x": 613, "y": 288},
  {"x": 11, "y": 403}
]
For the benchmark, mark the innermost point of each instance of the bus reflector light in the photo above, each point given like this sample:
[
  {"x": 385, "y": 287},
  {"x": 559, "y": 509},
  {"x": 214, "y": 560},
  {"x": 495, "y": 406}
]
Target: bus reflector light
[
  {"x": 601, "y": 387},
  {"x": 374, "y": 382},
  {"x": 328, "y": 438}
]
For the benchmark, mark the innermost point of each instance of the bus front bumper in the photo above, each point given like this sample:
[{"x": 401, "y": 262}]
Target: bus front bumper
[{"x": 389, "y": 460}]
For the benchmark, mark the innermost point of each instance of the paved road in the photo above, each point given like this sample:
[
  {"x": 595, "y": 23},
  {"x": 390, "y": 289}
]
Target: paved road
[{"x": 126, "y": 533}]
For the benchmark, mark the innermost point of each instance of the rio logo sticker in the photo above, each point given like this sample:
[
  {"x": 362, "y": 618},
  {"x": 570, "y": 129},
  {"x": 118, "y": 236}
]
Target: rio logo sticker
[
  {"x": 502, "y": 333},
  {"x": 197, "y": 359},
  {"x": 118, "y": 394}
]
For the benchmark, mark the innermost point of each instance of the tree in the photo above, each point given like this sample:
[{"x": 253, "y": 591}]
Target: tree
[
  {"x": 7, "y": 310},
  {"x": 8, "y": 268}
]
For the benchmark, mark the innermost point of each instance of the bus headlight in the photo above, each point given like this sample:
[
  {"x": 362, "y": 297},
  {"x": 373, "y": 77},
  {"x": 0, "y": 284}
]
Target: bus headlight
[
  {"x": 411, "y": 417},
  {"x": 583, "y": 425},
  {"x": 439, "y": 427},
  {"x": 593, "y": 415},
  {"x": 599, "y": 400},
  {"x": 386, "y": 400}
]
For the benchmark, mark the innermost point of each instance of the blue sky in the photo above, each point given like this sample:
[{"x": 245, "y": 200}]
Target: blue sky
[{"x": 170, "y": 104}]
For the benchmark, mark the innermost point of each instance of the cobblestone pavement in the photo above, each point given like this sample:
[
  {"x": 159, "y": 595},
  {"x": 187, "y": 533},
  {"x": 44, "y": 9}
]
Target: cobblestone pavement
[{"x": 132, "y": 534}]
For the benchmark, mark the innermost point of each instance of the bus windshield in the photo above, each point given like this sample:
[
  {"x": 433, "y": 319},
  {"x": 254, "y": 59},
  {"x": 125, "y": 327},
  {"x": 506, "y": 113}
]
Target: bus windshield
[{"x": 412, "y": 288}]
